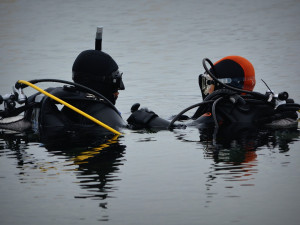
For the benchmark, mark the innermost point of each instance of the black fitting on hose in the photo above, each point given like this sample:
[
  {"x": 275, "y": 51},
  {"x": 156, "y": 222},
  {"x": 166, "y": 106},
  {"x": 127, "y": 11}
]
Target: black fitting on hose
[
  {"x": 283, "y": 96},
  {"x": 237, "y": 99},
  {"x": 21, "y": 85}
]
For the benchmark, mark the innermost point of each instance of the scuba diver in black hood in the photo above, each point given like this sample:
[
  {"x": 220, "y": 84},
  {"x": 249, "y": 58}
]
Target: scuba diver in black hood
[
  {"x": 95, "y": 91},
  {"x": 98, "y": 71},
  {"x": 88, "y": 101},
  {"x": 228, "y": 100}
]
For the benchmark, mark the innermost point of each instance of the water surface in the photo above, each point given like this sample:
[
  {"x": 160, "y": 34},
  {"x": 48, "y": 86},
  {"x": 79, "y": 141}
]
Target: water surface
[{"x": 152, "y": 178}]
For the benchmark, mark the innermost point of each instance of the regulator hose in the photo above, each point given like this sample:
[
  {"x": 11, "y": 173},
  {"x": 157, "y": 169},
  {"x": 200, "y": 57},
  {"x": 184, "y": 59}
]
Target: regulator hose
[
  {"x": 21, "y": 85},
  {"x": 70, "y": 106},
  {"x": 214, "y": 112},
  {"x": 288, "y": 107},
  {"x": 185, "y": 110},
  {"x": 212, "y": 97}
]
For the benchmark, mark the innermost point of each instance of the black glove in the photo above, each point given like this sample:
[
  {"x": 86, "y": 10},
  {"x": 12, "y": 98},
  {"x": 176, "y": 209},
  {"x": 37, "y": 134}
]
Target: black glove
[{"x": 140, "y": 118}]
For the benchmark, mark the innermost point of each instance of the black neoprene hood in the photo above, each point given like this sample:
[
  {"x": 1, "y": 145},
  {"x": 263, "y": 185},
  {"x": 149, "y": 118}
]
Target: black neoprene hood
[
  {"x": 94, "y": 69},
  {"x": 93, "y": 65}
]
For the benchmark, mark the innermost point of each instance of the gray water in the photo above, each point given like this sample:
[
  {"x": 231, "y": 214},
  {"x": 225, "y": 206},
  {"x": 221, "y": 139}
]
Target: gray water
[{"x": 152, "y": 178}]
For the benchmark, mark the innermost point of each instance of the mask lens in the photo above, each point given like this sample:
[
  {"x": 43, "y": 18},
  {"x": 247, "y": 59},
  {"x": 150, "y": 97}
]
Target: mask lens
[
  {"x": 117, "y": 80},
  {"x": 207, "y": 84}
]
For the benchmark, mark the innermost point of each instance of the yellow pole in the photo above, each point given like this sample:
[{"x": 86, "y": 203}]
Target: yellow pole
[{"x": 69, "y": 106}]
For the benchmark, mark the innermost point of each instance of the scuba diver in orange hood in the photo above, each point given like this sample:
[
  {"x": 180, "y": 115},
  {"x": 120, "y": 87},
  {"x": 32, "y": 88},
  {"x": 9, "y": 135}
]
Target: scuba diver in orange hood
[{"x": 228, "y": 98}]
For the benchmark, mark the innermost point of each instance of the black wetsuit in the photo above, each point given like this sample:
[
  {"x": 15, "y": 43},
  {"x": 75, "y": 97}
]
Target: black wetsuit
[
  {"x": 226, "y": 108},
  {"x": 222, "y": 108},
  {"x": 51, "y": 119}
]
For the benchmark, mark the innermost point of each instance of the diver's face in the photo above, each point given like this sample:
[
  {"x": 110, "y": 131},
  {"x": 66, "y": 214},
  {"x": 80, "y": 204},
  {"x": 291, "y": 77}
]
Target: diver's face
[
  {"x": 117, "y": 84},
  {"x": 116, "y": 95},
  {"x": 206, "y": 84}
]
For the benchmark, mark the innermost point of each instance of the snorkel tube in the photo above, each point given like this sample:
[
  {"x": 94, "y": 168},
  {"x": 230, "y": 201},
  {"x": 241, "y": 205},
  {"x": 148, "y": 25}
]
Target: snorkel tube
[{"x": 98, "y": 39}]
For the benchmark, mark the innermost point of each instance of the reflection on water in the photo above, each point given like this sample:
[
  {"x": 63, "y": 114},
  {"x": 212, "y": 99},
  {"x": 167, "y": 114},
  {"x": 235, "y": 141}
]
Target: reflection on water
[
  {"x": 235, "y": 155},
  {"x": 234, "y": 163},
  {"x": 234, "y": 152},
  {"x": 96, "y": 168}
]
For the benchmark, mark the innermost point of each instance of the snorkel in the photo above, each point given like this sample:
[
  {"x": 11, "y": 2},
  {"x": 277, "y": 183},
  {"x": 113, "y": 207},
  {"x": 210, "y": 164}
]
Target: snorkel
[{"x": 98, "y": 39}]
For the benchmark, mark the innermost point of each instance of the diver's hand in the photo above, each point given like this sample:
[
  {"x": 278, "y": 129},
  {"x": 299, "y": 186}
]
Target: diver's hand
[{"x": 140, "y": 118}]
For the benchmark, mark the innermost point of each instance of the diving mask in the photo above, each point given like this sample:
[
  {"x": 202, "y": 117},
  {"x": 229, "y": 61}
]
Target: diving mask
[
  {"x": 208, "y": 85},
  {"x": 117, "y": 80}
]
